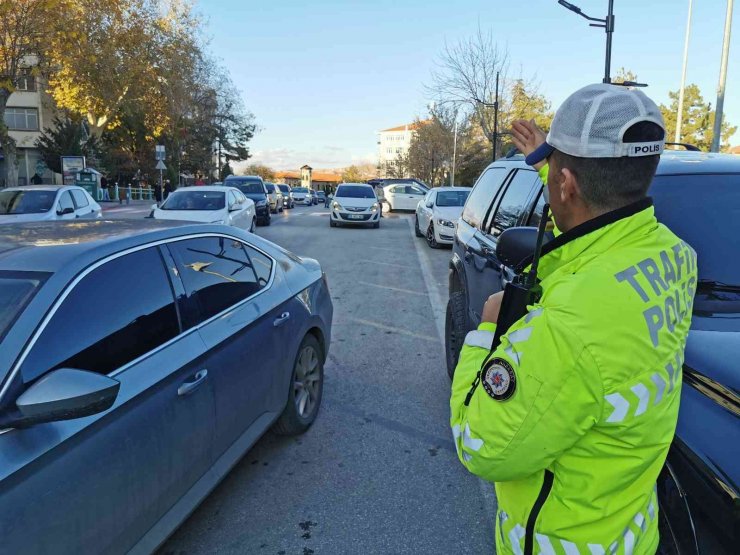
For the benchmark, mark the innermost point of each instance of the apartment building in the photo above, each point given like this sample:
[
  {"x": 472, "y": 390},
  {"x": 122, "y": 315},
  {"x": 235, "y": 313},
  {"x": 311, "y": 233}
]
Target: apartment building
[{"x": 29, "y": 110}]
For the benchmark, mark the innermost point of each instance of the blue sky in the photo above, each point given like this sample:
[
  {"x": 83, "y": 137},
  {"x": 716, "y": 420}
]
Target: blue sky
[{"x": 323, "y": 76}]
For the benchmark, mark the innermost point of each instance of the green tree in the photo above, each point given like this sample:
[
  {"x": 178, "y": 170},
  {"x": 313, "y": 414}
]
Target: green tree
[
  {"x": 522, "y": 101},
  {"x": 698, "y": 119},
  {"x": 66, "y": 137},
  {"x": 353, "y": 174},
  {"x": 265, "y": 172}
]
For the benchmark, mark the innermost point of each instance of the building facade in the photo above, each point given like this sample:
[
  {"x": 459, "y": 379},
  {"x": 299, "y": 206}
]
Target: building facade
[
  {"x": 305, "y": 177},
  {"x": 29, "y": 111},
  {"x": 393, "y": 150}
]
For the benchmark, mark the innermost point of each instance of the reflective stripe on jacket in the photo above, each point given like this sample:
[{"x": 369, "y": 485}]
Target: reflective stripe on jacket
[{"x": 575, "y": 451}]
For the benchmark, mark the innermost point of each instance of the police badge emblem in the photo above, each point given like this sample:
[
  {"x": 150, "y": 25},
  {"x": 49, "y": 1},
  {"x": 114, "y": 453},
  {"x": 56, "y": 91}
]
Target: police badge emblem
[{"x": 499, "y": 379}]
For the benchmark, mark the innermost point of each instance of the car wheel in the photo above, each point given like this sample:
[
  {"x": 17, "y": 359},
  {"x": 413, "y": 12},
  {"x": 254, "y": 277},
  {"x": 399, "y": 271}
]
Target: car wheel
[
  {"x": 416, "y": 228},
  {"x": 253, "y": 226},
  {"x": 268, "y": 220},
  {"x": 431, "y": 238},
  {"x": 332, "y": 223},
  {"x": 306, "y": 388},
  {"x": 390, "y": 207},
  {"x": 455, "y": 330}
]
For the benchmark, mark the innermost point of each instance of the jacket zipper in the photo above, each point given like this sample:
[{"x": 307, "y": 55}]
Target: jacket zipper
[{"x": 536, "y": 508}]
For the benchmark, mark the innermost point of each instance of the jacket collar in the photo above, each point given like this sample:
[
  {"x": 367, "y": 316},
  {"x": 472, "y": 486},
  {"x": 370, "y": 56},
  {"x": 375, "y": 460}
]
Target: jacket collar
[{"x": 596, "y": 235}]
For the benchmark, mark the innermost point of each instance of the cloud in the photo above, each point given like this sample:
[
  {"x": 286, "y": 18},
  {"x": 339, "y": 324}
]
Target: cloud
[{"x": 291, "y": 159}]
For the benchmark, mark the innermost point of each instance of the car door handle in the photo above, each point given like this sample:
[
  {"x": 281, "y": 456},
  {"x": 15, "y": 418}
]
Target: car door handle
[
  {"x": 280, "y": 320},
  {"x": 191, "y": 385}
]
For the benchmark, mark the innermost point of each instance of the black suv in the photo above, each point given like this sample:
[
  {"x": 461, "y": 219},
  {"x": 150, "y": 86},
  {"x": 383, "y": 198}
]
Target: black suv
[
  {"x": 697, "y": 195},
  {"x": 253, "y": 188}
]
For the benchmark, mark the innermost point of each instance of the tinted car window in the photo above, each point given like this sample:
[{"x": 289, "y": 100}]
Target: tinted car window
[
  {"x": 246, "y": 186},
  {"x": 270, "y": 187},
  {"x": 536, "y": 215},
  {"x": 195, "y": 200},
  {"x": 452, "y": 198},
  {"x": 483, "y": 194},
  {"x": 284, "y": 188},
  {"x": 355, "y": 191},
  {"x": 118, "y": 312},
  {"x": 80, "y": 198},
  {"x": 704, "y": 211},
  {"x": 218, "y": 273},
  {"x": 16, "y": 291},
  {"x": 65, "y": 201},
  {"x": 26, "y": 202},
  {"x": 514, "y": 201},
  {"x": 300, "y": 190}
]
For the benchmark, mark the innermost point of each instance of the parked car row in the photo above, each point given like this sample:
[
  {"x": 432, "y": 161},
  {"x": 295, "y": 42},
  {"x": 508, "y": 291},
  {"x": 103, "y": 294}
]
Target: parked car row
[{"x": 697, "y": 195}]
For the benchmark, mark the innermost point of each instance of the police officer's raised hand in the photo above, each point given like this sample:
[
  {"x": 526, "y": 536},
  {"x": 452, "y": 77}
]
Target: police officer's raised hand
[
  {"x": 527, "y": 137},
  {"x": 492, "y": 308}
]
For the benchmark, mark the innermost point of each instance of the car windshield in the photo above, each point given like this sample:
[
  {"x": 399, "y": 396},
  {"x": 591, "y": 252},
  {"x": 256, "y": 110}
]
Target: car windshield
[
  {"x": 270, "y": 187},
  {"x": 355, "y": 191},
  {"x": 300, "y": 190},
  {"x": 245, "y": 186},
  {"x": 16, "y": 291},
  {"x": 195, "y": 200},
  {"x": 26, "y": 202},
  {"x": 704, "y": 211},
  {"x": 284, "y": 188},
  {"x": 452, "y": 198}
]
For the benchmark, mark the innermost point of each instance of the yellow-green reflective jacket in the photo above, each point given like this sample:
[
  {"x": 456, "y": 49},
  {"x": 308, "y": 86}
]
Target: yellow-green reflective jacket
[{"x": 593, "y": 379}]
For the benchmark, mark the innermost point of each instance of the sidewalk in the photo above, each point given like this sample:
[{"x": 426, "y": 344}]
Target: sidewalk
[{"x": 109, "y": 206}]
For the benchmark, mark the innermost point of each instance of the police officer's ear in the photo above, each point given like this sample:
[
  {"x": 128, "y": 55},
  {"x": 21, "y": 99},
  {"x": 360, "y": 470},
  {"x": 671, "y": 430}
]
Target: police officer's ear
[{"x": 569, "y": 190}]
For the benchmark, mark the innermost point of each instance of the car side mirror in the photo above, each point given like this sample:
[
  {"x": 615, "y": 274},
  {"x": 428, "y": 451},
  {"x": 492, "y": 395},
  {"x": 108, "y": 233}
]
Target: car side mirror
[
  {"x": 515, "y": 245},
  {"x": 65, "y": 394},
  {"x": 65, "y": 211}
]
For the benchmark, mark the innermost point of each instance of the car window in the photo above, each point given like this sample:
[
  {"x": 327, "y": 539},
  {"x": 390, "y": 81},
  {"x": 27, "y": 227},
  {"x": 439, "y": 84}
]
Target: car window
[
  {"x": 246, "y": 186},
  {"x": 80, "y": 198},
  {"x": 412, "y": 190},
  {"x": 514, "y": 201},
  {"x": 429, "y": 199},
  {"x": 232, "y": 198},
  {"x": 483, "y": 194},
  {"x": 218, "y": 273},
  {"x": 16, "y": 291},
  {"x": 452, "y": 198},
  {"x": 26, "y": 202},
  {"x": 536, "y": 215},
  {"x": 270, "y": 187},
  {"x": 195, "y": 200},
  {"x": 398, "y": 189},
  {"x": 355, "y": 191},
  {"x": 117, "y": 313},
  {"x": 65, "y": 201}
]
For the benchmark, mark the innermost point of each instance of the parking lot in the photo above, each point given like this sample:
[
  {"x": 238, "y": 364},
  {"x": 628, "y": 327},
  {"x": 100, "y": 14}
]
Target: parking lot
[{"x": 377, "y": 473}]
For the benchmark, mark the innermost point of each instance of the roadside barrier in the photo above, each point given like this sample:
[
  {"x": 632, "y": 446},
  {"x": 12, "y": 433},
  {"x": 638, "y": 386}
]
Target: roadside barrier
[{"x": 127, "y": 194}]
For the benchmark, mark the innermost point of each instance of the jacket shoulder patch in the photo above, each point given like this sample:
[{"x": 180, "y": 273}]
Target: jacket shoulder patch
[{"x": 499, "y": 379}]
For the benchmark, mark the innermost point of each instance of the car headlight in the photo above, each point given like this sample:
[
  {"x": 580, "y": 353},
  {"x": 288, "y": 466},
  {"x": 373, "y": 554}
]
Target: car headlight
[
  {"x": 445, "y": 223},
  {"x": 336, "y": 206},
  {"x": 374, "y": 207},
  {"x": 261, "y": 203}
]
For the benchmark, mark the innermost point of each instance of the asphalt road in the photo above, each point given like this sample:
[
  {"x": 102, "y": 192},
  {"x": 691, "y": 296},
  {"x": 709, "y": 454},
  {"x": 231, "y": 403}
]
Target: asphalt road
[{"x": 377, "y": 473}]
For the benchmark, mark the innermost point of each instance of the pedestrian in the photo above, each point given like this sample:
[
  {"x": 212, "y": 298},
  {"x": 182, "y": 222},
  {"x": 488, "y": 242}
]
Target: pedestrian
[
  {"x": 37, "y": 179},
  {"x": 327, "y": 200},
  {"x": 167, "y": 188},
  {"x": 573, "y": 414},
  {"x": 158, "y": 192},
  {"x": 381, "y": 196},
  {"x": 104, "y": 187}
]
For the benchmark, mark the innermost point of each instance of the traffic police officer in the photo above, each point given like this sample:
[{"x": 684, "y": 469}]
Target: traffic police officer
[{"x": 577, "y": 407}]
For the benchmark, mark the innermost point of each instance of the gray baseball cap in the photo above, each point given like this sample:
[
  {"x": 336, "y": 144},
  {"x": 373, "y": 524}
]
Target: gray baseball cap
[{"x": 591, "y": 123}]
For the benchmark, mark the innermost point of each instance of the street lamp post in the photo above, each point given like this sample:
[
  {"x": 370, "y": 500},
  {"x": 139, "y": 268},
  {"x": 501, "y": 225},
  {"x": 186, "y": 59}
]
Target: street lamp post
[
  {"x": 679, "y": 118},
  {"x": 717, "y": 138},
  {"x": 607, "y": 24}
]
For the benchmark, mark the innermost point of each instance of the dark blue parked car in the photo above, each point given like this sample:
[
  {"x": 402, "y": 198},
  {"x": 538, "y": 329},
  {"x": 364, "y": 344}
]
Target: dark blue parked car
[
  {"x": 138, "y": 362},
  {"x": 698, "y": 196}
]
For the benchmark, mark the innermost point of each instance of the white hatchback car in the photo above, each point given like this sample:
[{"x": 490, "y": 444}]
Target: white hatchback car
[
  {"x": 355, "y": 204},
  {"x": 214, "y": 205},
  {"x": 403, "y": 196},
  {"x": 35, "y": 203},
  {"x": 438, "y": 212}
]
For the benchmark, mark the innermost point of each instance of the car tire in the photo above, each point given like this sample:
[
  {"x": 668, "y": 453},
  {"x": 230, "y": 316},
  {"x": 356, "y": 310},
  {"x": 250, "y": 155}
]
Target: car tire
[
  {"x": 390, "y": 207},
  {"x": 304, "y": 400},
  {"x": 455, "y": 330},
  {"x": 332, "y": 223},
  {"x": 431, "y": 237},
  {"x": 268, "y": 221},
  {"x": 416, "y": 228},
  {"x": 376, "y": 225},
  {"x": 282, "y": 208},
  {"x": 253, "y": 226}
]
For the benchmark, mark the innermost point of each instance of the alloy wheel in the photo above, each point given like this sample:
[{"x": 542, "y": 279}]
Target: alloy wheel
[
  {"x": 306, "y": 382},
  {"x": 430, "y": 236}
]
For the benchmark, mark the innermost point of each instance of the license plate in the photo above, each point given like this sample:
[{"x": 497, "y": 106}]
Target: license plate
[{"x": 355, "y": 216}]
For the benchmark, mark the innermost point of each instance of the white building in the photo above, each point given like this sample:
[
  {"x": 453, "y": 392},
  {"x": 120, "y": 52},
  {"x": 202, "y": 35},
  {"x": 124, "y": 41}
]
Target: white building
[
  {"x": 29, "y": 110},
  {"x": 393, "y": 145}
]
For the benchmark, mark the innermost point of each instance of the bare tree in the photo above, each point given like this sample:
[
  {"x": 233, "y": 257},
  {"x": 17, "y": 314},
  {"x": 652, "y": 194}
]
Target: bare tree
[{"x": 466, "y": 76}]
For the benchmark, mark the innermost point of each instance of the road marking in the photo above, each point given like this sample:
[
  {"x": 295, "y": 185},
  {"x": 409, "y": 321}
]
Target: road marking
[
  {"x": 439, "y": 312},
  {"x": 392, "y": 265},
  {"x": 392, "y": 329},
  {"x": 398, "y": 289}
]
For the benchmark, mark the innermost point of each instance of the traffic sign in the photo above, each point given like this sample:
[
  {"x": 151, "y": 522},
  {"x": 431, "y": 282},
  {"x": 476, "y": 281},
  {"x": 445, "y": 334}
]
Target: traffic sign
[
  {"x": 161, "y": 166},
  {"x": 159, "y": 152}
]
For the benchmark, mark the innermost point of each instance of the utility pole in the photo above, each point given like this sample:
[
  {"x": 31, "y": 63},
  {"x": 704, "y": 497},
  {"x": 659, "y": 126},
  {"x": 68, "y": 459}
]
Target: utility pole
[
  {"x": 606, "y": 23},
  {"x": 717, "y": 138},
  {"x": 495, "y": 120},
  {"x": 679, "y": 119}
]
